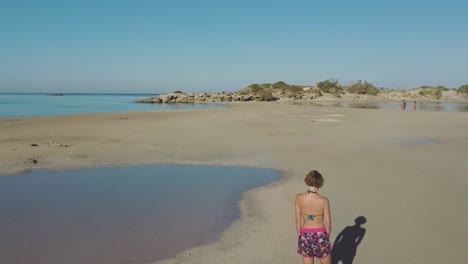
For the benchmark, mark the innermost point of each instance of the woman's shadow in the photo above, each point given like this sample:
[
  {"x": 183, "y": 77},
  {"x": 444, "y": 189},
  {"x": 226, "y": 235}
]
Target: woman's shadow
[{"x": 347, "y": 241}]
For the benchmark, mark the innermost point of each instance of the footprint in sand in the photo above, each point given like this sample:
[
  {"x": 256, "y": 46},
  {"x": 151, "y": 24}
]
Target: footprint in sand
[
  {"x": 31, "y": 161},
  {"x": 79, "y": 156},
  {"x": 336, "y": 115},
  {"x": 51, "y": 144},
  {"x": 55, "y": 144},
  {"x": 329, "y": 120}
]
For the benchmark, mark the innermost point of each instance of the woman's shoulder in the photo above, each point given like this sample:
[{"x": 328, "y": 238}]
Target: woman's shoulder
[
  {"x": 324, "y": 199},
  {"x": 300, "y": 195}
]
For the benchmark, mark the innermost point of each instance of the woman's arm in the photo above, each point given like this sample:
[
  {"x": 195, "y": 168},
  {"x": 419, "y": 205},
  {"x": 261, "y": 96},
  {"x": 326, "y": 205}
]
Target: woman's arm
[
  {"x": 298, "y": 216},
  {"x": 327, "y": 216}
]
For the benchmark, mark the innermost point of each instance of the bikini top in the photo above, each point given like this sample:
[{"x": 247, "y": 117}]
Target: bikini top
[{"x": 309, "y": 216}]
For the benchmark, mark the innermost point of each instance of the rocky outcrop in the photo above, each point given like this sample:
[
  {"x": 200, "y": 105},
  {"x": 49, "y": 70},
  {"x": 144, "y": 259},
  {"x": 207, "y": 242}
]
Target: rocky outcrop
[
  {"x": 328, "y": 90},
  {"x": 200, "y": 98},
  {"x": 174, "y": 98}
]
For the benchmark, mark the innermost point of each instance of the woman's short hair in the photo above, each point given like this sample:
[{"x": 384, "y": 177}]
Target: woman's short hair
[{"x": 314, "y": 179}]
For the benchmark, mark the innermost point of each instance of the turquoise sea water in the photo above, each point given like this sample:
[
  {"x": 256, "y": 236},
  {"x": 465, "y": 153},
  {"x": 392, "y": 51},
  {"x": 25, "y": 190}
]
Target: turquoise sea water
[
  {"x": 29, "y": 105},
  {"x": 119, "y": 215}
]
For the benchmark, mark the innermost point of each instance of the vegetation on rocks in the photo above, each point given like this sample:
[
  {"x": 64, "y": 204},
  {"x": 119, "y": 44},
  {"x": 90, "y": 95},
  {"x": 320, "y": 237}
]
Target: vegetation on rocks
[
  {"x": 280, "y": 85},
  {"x": 268, "y": 87},
  {"x": 266, "y": 96},
  {"x": 325, "y": 90},
  {"x": 330, "y": 86},
  {"x": 363, "y": 88},
  {"x": 463, "y": 89},
  {"x": 291, "y": 89},
  {"x": 438, "y": 87},
  {"x": 432, "y": 92}
]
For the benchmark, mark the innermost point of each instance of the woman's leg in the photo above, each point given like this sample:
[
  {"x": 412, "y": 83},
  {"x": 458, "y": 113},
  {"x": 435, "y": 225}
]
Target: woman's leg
[
  {"x": 308, "y": 260},
  {"x": 326, "y": 260}
]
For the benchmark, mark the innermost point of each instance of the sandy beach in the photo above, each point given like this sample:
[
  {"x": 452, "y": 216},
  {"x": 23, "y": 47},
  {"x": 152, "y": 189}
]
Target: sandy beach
[{"x": 404, "y": 171}]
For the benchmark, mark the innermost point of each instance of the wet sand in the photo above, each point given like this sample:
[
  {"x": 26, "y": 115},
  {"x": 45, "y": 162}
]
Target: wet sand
[{"x": 376, "y": 164}]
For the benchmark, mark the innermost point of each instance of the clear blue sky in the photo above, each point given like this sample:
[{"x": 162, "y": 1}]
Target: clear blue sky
[{"x": 215, "y": 45}]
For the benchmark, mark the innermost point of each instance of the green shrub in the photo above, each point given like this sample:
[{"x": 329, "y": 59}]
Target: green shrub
[
  {"x": 291, "y": 89},
  {"x": 266, "y": 96},
  {"x": 431, "y": 92},
  {"x": 438, "y": 94},
  {"x": 329, "y": 86},
  {"x": 255, "y": 88},
  {"x": 260, "y": 88},
  {"x": 463, "y": 89},
  {"x": 279, "y": 85},
  {"x": 440, "y": 87},
  {"x": 363, "y": 88},
  {"x": 178, "y": 91}
]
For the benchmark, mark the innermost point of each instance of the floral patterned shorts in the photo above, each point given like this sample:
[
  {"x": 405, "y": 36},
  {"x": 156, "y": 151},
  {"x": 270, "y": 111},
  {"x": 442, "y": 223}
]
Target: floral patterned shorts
[{"x": 314, "y": 242}]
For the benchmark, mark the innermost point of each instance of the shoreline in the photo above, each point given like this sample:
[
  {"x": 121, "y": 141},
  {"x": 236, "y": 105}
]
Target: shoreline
[
  {"x": 281, "y": 137},
  {"x": 138, "y": 246},
  {"x": 231, "y": 104}
]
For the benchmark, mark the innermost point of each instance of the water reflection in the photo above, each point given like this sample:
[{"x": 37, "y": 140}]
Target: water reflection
[
  {"x": 118, "y": 215},
  {"x": 364, "y": 105},
  {"x": 409, "y": 106},
  {"x": 431, "y": 107},
  {"x": 462, "y": 107},
  {"x": 416, "y": 141}
]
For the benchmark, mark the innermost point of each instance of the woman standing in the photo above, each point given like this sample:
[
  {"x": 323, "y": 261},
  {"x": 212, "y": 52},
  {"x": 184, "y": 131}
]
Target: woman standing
[{"x": 313, "y": 221}]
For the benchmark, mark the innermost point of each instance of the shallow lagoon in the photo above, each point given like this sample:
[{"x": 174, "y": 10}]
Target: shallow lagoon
[
  {"x": 119, "y": 215},
  {"x": 410, "y": 106}
]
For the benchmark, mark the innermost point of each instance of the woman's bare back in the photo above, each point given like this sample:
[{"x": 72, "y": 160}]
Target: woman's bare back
[{"x": 313, "y": 208}]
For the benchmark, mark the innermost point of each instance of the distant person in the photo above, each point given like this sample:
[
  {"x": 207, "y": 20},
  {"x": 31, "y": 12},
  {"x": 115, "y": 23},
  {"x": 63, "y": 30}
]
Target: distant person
[
  {"x": 403, "y": 104},
  {"x": 414, "y": 107},
  {"x": 313, "y": 221},
  {"x": 347, "y": 241}
]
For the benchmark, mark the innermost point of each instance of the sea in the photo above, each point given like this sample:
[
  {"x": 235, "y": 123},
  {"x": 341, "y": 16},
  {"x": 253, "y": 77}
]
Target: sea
[
  {"x": 15, "y": 105},
  {"x": 114, "y": 215}
]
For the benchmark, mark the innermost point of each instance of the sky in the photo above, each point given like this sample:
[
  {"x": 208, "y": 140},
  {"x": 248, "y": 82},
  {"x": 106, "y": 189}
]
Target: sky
[{"x": 213, "y": 45}]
